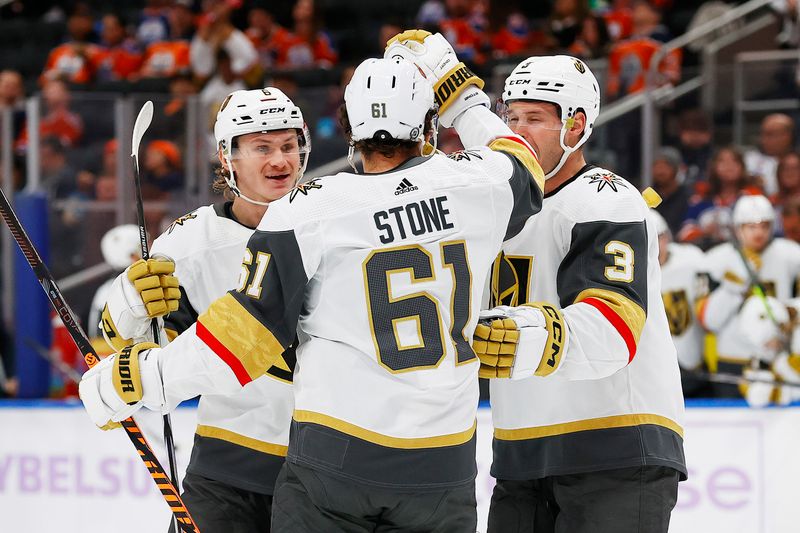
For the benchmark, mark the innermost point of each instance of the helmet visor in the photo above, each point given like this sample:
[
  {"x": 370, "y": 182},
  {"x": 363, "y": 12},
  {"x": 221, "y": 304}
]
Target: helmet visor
[
  {"x": 527, "y": 118},
  {"x": 272, "y": 145}
]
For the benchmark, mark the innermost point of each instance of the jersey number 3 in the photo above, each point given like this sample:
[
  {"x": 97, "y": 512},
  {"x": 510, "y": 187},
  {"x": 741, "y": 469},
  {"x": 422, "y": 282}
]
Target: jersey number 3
[{"x": 419, "y": 312}]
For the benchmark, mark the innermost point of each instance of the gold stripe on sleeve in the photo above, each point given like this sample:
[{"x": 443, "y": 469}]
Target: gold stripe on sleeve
[
  {"x": 242, "y": 335},
  {"x": 631, "y": 313},
  {"x": 523, "y": 154}
]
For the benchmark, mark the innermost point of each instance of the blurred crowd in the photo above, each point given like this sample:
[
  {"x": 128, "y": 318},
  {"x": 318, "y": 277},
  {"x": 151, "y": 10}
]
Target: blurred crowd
[{"x": 73, "y": 54}]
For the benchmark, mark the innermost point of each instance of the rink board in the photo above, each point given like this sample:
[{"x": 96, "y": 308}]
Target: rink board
[{"x": 58, "y": 473}]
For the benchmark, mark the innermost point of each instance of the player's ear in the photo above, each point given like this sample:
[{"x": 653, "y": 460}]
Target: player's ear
[
  {"x": 579, "y": 123},
  {"x": 222, "y": 160}
]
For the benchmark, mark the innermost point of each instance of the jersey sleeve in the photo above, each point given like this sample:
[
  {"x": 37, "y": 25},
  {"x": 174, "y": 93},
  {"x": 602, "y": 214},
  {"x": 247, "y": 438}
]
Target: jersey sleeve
[
  {"x": 250, "y": 328},
  {"x": 602, "y": 286},
  {"x": 725, "y": 292},
  {"x": 526, "y": 181},
  {"x": 246, "y": 331}
]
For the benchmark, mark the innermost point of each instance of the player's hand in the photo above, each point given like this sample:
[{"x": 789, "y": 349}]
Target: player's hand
[
  {"x": 145, "y": 290},
  {"x": 119, "y": 385},
  {"x": 455, "y": 87},
  {"x": 156, "y": 285},
  {"x": 495, "y": 343},
  {"x": 520, "y": 342}
]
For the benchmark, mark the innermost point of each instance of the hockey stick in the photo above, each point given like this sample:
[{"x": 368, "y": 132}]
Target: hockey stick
[
  {"x": 759, "y": 290},
  {"x": 143, "y": 120},
  {"x": 734, "y": 379},
  {"x": 63, "y": 368},
  {"x": 165, "y": 486}
]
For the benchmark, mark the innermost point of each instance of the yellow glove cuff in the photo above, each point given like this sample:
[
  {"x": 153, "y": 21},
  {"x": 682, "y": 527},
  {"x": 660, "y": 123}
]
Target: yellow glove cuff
[
  {"x": 556, "y": 337},
  {"x": 126, "y": 377},
  {"x": 452, "y": 84}
]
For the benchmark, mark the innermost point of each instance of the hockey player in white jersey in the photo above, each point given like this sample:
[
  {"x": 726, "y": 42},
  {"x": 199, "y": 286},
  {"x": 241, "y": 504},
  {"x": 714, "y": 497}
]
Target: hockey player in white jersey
[
  {"x": 384, "y": 304},
  {"x": 241, "y": 439},
  {"x": 684, "y": 283},
  {"x": 588, "y": 434},
  {"x": 773, "y": 267},
  {"x": 120, "y": 247}
]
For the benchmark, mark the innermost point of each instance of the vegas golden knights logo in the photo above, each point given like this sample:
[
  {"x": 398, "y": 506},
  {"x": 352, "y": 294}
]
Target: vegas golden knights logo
[
  {"x": 180, "y": 221},
  {"x": 579, "y": 66},
  {"x": 679, "y": 311}
]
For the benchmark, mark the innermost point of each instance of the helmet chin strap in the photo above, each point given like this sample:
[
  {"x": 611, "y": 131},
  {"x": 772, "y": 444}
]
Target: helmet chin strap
[
  {"x": 567, "y": 150},
  {"x": 351, "y": 150},
  {"x": 231, "y": 181}
]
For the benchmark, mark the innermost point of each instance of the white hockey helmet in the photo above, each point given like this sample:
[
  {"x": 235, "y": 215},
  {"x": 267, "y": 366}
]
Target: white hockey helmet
[
  {"x": 258, "y": 111},
  {"x": 659, "y": 223},
  {"x": 388, "y": 98},
  {"x": 562, "y": 80},
  {"x": 119, "y": 244},
  {"x": 753, "y": 209}
]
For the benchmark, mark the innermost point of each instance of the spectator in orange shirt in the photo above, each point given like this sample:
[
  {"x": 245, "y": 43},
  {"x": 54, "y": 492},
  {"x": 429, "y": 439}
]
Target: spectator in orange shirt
[
  {"x": 266, "y": 36},
  {"x": 629, "y": 60},
  {"x": 74, "y": 60},
  {"x": 307, "y": 46},
  {"x": 120, "y": 57},
  {"x": 58, "y": 121}
]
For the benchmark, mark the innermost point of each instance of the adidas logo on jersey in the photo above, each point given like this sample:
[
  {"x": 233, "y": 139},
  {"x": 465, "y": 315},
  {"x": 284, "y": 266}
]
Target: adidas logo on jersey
[{"x": 404, "y": 187}]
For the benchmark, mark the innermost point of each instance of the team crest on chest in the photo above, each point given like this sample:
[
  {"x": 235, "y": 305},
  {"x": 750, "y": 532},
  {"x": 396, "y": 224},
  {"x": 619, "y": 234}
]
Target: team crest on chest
[
  {"x": 303, "y": 188},
  {"x": 181, "y": 221},
  {"x": 606, "y": 179}
]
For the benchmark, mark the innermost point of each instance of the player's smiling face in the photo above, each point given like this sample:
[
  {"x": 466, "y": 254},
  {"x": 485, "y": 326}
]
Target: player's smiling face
[
  {"x": 266, "y": 164},
  {"x": 755, "y": 236},
  {"x": 540, "y": 124}
]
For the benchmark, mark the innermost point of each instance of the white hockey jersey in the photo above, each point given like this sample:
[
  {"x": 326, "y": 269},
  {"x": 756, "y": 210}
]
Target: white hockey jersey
[
  {"x": 683, "y": 284},
  {"x": 385, "y": 304},
  {"x": 616, "y": 399},
  {"x": 241, "y": 438},
  {"x": 777, "y": 268}
]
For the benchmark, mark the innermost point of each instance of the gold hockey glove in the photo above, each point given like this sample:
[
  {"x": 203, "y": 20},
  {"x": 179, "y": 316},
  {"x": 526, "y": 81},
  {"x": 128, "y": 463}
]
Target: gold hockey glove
[{"x": 156, "y": 285}]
